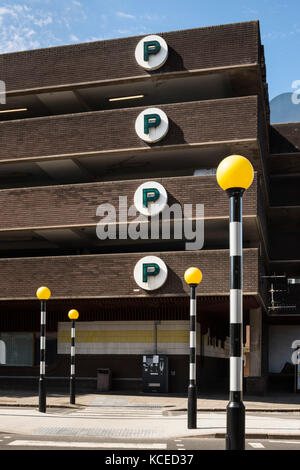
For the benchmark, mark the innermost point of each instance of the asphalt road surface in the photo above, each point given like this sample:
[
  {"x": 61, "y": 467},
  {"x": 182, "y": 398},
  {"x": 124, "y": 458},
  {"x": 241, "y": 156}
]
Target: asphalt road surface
[{"x": 180, "y": 445}]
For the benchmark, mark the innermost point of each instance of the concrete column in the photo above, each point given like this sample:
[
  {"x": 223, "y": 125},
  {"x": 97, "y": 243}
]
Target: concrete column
[
  {"x": 256, "y": 383},
  {"x": 255, "y": 316}
]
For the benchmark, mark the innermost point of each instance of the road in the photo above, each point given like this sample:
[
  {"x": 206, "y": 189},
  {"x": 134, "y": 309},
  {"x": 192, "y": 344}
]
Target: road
[
  {"x": 154, "y": 446},
  {"x": 121, "y": 427}
]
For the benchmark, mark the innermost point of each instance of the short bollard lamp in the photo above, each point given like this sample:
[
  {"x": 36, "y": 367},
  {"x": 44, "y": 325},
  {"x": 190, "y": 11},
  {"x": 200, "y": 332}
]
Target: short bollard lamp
[
  {"x": 43, "y": 294},
  {"x": 193, "y": 277},
  {"x": 73, "y": 315},
  {"x": 235, "y": 175}
]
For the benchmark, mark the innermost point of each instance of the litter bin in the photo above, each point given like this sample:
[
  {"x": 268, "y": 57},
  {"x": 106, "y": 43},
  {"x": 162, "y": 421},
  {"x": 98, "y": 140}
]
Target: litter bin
[{"x": 103, "y": 380}]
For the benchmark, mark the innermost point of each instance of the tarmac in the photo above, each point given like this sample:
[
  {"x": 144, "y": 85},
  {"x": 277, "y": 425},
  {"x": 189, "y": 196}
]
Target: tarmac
[{"x": 135, "y": 415}]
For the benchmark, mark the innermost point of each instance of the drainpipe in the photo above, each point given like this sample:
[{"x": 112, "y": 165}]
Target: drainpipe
[{"x": 157, "y": 322}]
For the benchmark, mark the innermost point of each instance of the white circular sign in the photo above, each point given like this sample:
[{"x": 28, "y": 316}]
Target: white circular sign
[
  {"x": 151, "y": 52},
  {"x": 152, "y": 125},
  {"x": 150, "y": 198},
  {"x": 150, "y": 273}
]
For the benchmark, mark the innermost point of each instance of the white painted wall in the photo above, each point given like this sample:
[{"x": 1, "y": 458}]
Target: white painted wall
[{"x": 2, "y": 352}]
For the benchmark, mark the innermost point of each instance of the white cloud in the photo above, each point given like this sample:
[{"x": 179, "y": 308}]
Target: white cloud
[
  {"x": 29, "y": 33},
  {"x": 43, "y": 21},
  {"x": 152, "y": 17},
  {"x": 295, "y": 29},
  {"x": 94, "y": 38},
  {"x": 6, "y": 11},
  {"x": 73, "y": 37},
  {"x": 121, "y": 14},
  {"x": 12, "y": 39},
  {"x": 18, "y": 27},
  {"x": 123, "y": 31}
]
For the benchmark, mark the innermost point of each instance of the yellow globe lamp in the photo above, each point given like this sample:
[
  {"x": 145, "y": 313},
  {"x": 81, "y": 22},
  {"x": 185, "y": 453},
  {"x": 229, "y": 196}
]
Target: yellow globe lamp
[
  {"x": 193, "y": 276},
  {"x": 43, "y": 293},
  {"x": 235, "y": 171},
  {"x": 73, "y": 314}
]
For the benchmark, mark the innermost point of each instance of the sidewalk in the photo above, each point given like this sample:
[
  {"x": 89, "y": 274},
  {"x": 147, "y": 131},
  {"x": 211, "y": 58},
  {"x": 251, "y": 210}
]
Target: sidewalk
[
  {"x": 208, "y": 402},
  {"x": 140, "y": 416}
]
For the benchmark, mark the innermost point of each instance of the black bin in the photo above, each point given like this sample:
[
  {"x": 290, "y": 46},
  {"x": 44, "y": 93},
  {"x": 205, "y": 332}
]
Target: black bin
[{"x": 103, "y": 380}]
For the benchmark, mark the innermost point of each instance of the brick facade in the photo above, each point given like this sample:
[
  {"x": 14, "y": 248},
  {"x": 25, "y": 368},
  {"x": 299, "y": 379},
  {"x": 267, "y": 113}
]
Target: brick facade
[
  {"x": 201, "y": 133},
  {"x": 216, "y": 46},
  {"x": 190, "y": 124},
  {"x": 69, "y": 205},
  {"x": 111, "y": 275}
]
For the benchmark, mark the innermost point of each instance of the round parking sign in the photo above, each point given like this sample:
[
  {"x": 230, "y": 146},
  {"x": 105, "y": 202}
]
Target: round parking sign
[
  {"x": 151, "y": 52},
  {"x": 150, "y": 198},
  {"x": 152, "y": 125},
  {"x": 150, "y": 273}
]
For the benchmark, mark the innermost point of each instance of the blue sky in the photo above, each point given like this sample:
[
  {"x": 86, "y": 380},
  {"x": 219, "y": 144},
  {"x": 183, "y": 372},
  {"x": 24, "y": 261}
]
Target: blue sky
[{"x": 31, "y": 24}]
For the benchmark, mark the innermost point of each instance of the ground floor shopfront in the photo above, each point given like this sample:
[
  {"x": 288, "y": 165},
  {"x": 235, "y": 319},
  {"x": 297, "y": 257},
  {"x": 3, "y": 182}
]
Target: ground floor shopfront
[{"x": 117, "y": 334}]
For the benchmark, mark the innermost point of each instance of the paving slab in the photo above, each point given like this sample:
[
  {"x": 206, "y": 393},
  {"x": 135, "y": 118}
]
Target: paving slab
[
  {"x": 208, "y": 402},
  {"x": 32, "y": 422},
  {"x": 138, "y": 416}
]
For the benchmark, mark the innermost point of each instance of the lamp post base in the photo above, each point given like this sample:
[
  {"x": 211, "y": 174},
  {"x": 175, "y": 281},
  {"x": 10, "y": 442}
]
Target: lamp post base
[
  {"x": 192, "y": 407},
  {"x": 42, "y": 396},
  {"x": 235, "y": 435},
  {"x": 72, "y": 390}
]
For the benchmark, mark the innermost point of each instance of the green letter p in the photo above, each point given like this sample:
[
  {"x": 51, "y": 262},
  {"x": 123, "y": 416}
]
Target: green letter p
[
  {"x": 150, "y": 47},
  {"x": 151, "y": 120},
  {"x": 150, "y": 195},
  {"x": 150, "y": 269}
]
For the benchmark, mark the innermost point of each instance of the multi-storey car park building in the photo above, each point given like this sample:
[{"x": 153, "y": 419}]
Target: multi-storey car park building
[{"x": 70, "y": 143}]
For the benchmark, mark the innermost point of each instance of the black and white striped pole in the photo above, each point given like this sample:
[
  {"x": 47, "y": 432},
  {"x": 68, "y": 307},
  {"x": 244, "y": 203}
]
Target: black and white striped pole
[
  {"x": 193, "y": 277},
  {"x": 43, "y": 294},
  {"x": 73, "y": 315},
  {"x": 235, "y": 175}
]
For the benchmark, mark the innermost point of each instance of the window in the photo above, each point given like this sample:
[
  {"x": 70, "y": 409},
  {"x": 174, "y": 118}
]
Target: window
[{"x": 16, "y": 349}]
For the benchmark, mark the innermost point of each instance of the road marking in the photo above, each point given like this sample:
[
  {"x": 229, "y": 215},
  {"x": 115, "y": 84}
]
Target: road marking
[
  {"x": 256, "y": 445},
  {"x": 117, "y": 412},
  {"x": 284, "y": 442},
  {"x": 179, "y": 446},
  {"x": 98, "y": 445}
]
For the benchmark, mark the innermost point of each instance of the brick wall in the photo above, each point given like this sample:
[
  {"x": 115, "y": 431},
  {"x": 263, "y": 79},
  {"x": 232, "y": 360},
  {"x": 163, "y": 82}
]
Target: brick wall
[
  {"x": 216, "y": 46},
  {"x": 49, "y": 206},
  {"x": 285, "y": 138},
  {"x": 189, "y": 123},
  {"x": 112, "y": 275}
]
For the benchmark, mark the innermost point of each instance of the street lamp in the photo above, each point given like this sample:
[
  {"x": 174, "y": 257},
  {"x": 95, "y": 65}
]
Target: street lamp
[
  {"x": 43, "y": 294},
  {"x": 235, "y": 175},
  {"x": 193, "y": 277},
  {"x": 73, "y": 315}
]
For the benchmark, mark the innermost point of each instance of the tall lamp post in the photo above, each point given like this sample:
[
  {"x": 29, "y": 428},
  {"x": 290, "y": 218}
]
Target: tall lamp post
[
  {"x": 193, "y": 277},
  {"x": 235, "y": 175},
  {"x": 43, "y": 294},
  {"x": 73, "y": 315}
]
